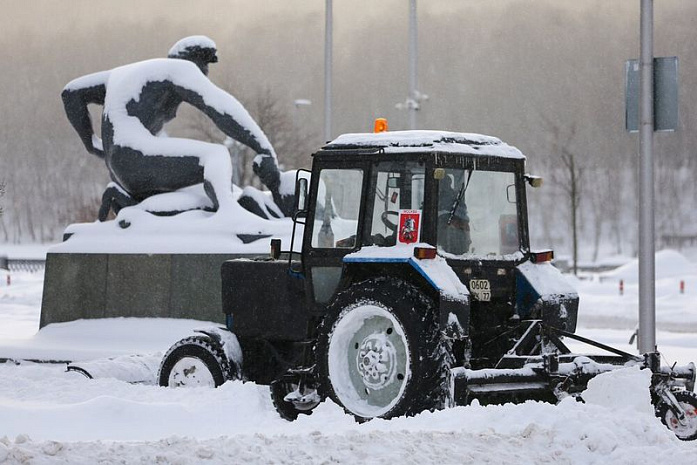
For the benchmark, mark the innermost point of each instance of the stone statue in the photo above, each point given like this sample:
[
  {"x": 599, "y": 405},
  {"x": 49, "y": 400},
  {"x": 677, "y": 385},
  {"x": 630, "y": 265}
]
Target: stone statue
[{"x": 138, "y": 100}]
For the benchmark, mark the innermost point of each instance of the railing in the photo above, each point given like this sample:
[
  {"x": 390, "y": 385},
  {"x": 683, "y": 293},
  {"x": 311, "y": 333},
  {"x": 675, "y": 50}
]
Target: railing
[
  {"x": 679, "y": 241},
  {"x": 31, "y": 265}
]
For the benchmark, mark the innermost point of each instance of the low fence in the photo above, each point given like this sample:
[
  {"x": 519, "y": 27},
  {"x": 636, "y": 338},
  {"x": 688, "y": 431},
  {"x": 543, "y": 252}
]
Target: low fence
[
  {"x": 32, "y": 265},
  {"x": 679, "y": 241}
]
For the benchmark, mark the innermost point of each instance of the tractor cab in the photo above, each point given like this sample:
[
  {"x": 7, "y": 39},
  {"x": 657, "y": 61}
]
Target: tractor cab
[{"x": 379, "y": 195}]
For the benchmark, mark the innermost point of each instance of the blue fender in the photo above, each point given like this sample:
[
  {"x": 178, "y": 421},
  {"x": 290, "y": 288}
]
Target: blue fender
[{"x": 454, "y": 297}]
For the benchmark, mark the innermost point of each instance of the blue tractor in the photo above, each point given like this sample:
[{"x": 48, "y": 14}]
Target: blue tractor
[{"x": 411, "y": 286}]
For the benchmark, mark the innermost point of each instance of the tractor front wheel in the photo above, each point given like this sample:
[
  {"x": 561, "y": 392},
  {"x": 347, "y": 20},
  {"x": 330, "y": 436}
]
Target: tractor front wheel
[{"x": 196, "y": 361}]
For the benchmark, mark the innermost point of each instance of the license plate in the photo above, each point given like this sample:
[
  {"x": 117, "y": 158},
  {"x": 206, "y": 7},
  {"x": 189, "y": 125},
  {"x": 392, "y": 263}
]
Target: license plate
[{"x": 480, "y": 289}]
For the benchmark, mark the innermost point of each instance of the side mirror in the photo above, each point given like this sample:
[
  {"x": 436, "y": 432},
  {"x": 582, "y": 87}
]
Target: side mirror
[
  {"x": 301, "y": 195},
  {"x": 534, "y": 181}
]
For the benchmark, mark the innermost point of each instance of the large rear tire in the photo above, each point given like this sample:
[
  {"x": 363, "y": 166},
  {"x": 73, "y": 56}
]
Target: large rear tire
[
  {"x": 687, "y": 429},
  {"x": 196, "y": 361},
  {"x": 380, "y": 352}
]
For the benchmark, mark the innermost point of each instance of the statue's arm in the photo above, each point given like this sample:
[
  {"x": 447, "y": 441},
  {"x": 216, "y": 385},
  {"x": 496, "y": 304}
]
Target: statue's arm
[
  {"x": 77, "y": 95},
  {"x": 228, "y": 114}
]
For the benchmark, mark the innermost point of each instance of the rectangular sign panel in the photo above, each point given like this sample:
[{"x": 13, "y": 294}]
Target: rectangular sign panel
[
  {"x": 409, "y": 226},
  {"x": 665, "y": 94}
]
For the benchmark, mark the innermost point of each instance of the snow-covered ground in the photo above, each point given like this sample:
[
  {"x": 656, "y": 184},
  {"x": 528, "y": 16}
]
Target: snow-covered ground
[{"x": 50, "y": 416}]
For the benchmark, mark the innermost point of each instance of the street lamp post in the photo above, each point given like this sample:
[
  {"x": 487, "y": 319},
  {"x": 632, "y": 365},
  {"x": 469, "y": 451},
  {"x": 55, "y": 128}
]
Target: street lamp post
[
  {"x": 414, "y": 98},
  {"x": 412, "y": 101},
  {"x": 328, "y": 70}
]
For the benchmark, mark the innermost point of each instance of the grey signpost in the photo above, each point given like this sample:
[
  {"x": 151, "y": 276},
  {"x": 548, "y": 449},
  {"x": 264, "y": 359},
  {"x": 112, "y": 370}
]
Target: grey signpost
[
  {"x": 647, "y": 276},
  {"x": 651, "y": 104}
]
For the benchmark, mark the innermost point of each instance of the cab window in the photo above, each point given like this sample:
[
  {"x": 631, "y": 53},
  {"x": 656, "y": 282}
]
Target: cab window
[
  {"x": 337, "y": 208},
  {"x": 398, "y": 196}
]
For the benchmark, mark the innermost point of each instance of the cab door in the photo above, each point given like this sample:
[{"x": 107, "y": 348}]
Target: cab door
[
  {"x": 333, "y": 228},
  {"x": 395, "y": 203}
]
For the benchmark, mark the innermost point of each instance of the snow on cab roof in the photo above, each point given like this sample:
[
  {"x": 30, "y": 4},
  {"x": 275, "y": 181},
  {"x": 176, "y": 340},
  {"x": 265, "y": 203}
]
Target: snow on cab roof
[{"x": 436, "y": 141}]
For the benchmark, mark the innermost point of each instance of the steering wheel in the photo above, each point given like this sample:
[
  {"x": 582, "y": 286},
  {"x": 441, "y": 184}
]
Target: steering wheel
[{"x": 386, "y": 221}]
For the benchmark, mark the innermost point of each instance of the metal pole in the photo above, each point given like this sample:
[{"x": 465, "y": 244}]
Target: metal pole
[
  {"x": 328, "y": 70},
  {"x": 647, "y": 277},
  {"x": 413, "y": 102}
]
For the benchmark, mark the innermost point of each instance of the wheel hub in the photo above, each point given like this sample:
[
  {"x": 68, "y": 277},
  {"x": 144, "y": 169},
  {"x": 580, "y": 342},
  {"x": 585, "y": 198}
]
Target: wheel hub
[
  {"x": 688, "y": 425},
  {"x": 375, "y": 361},
  {"x": 304, "y": 399},
  {"x": 191, "y": 372},
  {"x": 368, "y": 360}
]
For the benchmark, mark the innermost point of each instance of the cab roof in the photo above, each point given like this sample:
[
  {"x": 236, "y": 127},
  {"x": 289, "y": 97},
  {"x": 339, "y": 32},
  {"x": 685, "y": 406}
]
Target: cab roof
[{"x": 425, "y": 141}]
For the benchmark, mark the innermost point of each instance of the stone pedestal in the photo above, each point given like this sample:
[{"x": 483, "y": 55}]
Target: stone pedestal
[{"x": 81, "y": 285}]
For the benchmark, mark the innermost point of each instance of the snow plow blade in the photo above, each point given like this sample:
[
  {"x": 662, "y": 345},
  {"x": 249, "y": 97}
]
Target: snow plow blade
[
  {"x": 136, "y": 369},
  {"x": 569, "y": 374},
  {"x": 540, "y": 362}
]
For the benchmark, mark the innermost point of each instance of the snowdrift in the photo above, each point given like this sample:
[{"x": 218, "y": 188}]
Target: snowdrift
[
  {"x": 669, "y": 264},
  {"x": 237, "y": 424}
]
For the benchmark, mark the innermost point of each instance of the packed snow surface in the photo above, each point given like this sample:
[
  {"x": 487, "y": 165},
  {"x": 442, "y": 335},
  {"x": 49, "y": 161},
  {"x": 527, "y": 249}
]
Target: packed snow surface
[
  {"x": 48, "y": 416},
  {"x": 55, "y": 417}
]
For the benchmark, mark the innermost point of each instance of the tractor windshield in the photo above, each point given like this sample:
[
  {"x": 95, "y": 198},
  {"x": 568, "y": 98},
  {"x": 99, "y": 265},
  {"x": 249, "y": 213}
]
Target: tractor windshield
[{"x": 477, "y": 214}]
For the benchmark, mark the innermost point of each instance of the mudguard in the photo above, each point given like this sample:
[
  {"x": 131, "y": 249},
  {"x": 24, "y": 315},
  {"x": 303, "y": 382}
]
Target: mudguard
[
  {"x": 453, "y": 296},
  {"x": 543, "y": 293},
  {"x": 230, "y": 345}
]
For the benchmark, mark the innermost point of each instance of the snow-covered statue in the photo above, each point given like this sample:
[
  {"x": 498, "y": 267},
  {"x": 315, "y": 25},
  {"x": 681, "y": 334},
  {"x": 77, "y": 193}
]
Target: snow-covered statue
[{"x": 138, "y": 100}]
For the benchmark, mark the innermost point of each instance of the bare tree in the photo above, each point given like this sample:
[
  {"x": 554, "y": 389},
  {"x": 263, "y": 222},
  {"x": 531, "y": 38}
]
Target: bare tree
[
  {"x": 568, "y": 177},
  {"x": 2, "y": 194},
  {"x": 292, "y": 141},
  {"x": 596, "y": 199}
]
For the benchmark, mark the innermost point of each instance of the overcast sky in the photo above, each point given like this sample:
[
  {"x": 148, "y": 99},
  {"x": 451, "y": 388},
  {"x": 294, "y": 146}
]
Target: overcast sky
[
  {"x": 265, "y": 40},
  {"x": 532, "y": 72}
]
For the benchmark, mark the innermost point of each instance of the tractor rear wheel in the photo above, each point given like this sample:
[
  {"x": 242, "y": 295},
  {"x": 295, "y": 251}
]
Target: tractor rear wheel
[{"x": 381, "y": 353}]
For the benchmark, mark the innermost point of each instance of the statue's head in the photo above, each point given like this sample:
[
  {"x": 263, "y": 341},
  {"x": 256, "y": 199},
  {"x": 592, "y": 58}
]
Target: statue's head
[{"x": 200, "y": 50}]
